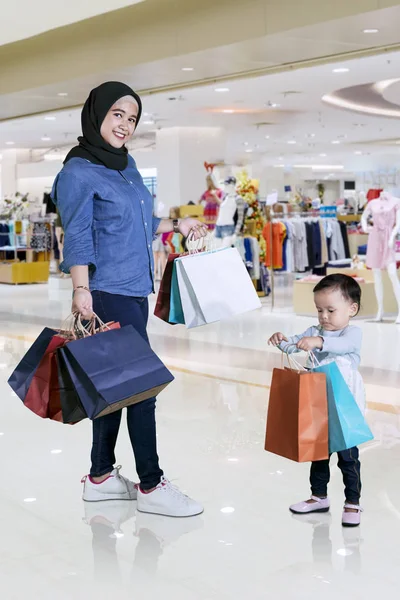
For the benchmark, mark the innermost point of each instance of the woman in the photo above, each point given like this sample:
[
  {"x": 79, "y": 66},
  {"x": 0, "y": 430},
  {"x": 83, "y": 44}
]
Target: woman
[{"x": 107, "y": 216}]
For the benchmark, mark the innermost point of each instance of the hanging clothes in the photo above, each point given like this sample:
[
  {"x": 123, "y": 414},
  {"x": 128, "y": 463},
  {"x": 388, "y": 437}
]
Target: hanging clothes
[
  {"x": 343, "y": 229},
  {"x": 4, "y": 235},
  {"x": 274, "y": 256},
  {"x": 41, "y": 237}
]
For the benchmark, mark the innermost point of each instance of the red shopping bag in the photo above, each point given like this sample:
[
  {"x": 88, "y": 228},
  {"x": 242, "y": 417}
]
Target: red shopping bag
[
  {"x": 164, "y": 295},
  {"x": 43, "y": 397}
]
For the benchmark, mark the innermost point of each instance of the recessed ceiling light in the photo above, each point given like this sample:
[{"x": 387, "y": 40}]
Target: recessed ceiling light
[
  {"x": 358, "y": 152},
  {"x": 371, "y": 31},
  {"x": 341, "y": 70},
  {"x": 62, "y": 94},
  {"x": 336, "y": 142},
  {"x": 222, "y": 89},
  {"x": 56, "y": 451},
  {"x": 323, "y": 155},
  {"x": 274, "y": 105},
  {"x": 29, "y": 499},
  {"x": 279, "y": 166},
  {"x": 10, "y": 143},
  {"x": 46, "y": 138},
  {"x": 233, "y": 459},
  {"x": 267, "y": 137},
  {"x": 246, "y": 143},
  {"x": 248, "y": 150},
  {"x": 228, "y": 111},
  {"x": 146, "y": 114},
  {"x": 187, "y": 69},
  {"x": 50, "y": 118},
  {"x": 292, "y": 142},
  {"x": 148, "y": 122}
]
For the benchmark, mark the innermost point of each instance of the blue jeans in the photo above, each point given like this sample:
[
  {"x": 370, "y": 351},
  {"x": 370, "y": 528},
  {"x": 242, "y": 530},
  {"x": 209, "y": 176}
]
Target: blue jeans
[
  {"x": 141, "y": 417},
  {"x": 222, "y": 231},
  {"x": 349, "y": 464}
]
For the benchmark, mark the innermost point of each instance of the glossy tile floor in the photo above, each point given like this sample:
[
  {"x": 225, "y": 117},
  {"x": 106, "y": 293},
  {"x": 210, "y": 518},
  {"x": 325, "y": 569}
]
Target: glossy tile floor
[{"x": 211, "y": 425}]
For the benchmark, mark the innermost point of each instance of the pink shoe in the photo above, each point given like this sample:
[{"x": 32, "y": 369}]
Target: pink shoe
[
  {"x": 352, "y": 519},
  {"x": 319, "y": 505}
]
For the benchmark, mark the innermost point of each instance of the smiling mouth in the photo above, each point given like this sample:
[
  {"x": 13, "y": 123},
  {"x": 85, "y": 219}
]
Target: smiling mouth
[{"x": 120, "y": 136}]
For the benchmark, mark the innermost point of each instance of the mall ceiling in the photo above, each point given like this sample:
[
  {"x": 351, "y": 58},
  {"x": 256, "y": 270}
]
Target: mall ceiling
[
  {"x": 279, "y": 118},
  {"x": 161, "y": 46}
]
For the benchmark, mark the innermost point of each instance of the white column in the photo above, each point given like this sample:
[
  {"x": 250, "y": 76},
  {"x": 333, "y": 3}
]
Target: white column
[
  {"x": 8, "y": 182},
  {"x": 181, "y": 153}
]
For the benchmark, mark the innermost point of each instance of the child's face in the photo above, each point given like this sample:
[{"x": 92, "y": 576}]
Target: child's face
[{"x": 334, "y": 311}]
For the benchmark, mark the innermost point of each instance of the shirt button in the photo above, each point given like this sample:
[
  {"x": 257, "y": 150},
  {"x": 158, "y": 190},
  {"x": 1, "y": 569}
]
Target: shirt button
[
  {"x": 130, "y": 182},
  {"x": 146, "y": 224},
  {"x": 142, "y": 202}
]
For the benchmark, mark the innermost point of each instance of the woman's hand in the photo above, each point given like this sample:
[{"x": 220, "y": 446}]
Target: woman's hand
[
  {"x": 308, "y": 344},
  {"x": 82, "y": 304},
  {"x": 194, "y": 226},
  {"x": 277, "y": 339}
]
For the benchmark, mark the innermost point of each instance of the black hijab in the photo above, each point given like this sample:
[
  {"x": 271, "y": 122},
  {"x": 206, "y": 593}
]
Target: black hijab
[{"x": 92, "y": 146}]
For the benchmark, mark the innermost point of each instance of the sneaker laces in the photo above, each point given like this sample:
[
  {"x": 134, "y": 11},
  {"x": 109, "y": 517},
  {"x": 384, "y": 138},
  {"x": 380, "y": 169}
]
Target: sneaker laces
[
  {"x": 125, "y": 480},
  {"x": 169, "y": 487}
]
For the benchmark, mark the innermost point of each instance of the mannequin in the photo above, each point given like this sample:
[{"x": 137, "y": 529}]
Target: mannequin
[
  {"x": 385, "y": 213},
  {"x": 211, "y": 199},
  {"x": 231, "y": 215}
]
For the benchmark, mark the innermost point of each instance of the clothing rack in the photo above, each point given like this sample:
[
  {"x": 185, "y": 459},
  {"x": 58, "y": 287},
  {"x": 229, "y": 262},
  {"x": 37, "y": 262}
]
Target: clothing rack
[{"x": 332, "y": 243}]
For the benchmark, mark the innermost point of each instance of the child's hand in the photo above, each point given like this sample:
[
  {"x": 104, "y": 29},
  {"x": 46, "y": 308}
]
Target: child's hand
[
  {"x": 308, "y": 344},
  {"x": 276, "y": 339}
]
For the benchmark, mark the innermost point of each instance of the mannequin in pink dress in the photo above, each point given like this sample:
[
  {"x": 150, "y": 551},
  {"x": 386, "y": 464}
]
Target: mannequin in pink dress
[
  {"x": 211, "y": 199},
  {"x": 385, "y": 214}
]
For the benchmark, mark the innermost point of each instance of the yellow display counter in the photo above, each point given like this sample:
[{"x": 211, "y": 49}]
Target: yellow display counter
[{"x": 20, "y": 272}]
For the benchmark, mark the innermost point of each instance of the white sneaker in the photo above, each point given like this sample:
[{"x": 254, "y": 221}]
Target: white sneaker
[
  {"x": 115, "y": 487},
  {"x": 167, "y": 500}
]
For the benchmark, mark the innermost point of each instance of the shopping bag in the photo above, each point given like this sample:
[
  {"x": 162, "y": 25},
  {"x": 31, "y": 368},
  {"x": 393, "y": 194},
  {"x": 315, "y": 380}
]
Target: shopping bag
[
  {"x": 70, "y": 403},
  {"x": 114, "y": 370},
  {"x": 347, "y": 425},
  {"x": 71, "y": 406},
  {"x": 163, "y": 299},
  {"x": 297, "y": 422},
  {"x": 43, "y": 396},
  {"x": 175, "y": 311},
  {"x": 214, "y": 286},
  {"x": 22, "y": 376}
]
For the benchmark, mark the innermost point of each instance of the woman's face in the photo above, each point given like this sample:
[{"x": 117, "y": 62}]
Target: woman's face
[{"x": 120, "y": 122}]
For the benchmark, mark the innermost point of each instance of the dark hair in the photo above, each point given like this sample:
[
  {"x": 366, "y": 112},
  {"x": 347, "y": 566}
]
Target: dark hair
[{"x": 346, "y": 284}]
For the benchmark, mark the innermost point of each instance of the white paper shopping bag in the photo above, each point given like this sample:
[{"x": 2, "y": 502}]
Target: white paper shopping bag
[{"x": 214, "y": 286}]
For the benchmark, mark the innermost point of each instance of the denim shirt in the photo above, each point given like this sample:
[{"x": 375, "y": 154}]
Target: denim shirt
[{"x": 108, "y": 223}]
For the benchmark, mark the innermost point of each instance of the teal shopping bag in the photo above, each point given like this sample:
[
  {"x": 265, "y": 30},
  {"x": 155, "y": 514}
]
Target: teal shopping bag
[
  {"x": 347, "y": 425},
  {"x": 175, "y": 308}
]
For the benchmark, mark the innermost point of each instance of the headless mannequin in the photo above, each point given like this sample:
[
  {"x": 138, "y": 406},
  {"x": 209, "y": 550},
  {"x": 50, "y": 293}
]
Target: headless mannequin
[
  {"x": 226, "y": 228},
  {"x": 386, "y": 208}
]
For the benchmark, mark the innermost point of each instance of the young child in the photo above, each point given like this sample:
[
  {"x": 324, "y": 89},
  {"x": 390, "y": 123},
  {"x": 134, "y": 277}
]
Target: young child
[{"x": 337, "y": 299}]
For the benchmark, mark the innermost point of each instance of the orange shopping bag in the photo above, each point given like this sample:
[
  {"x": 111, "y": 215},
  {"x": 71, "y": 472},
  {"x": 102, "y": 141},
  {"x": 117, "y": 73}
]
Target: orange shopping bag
[{"x": 297, "y": 423}]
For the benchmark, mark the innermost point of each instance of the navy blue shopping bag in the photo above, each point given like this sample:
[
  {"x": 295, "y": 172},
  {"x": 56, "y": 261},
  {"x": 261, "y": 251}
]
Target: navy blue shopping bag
[
  {"x": 21, "y": 378},
  {"x": 113, "y": 370},
  {"x": 71, "y": 406}
]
